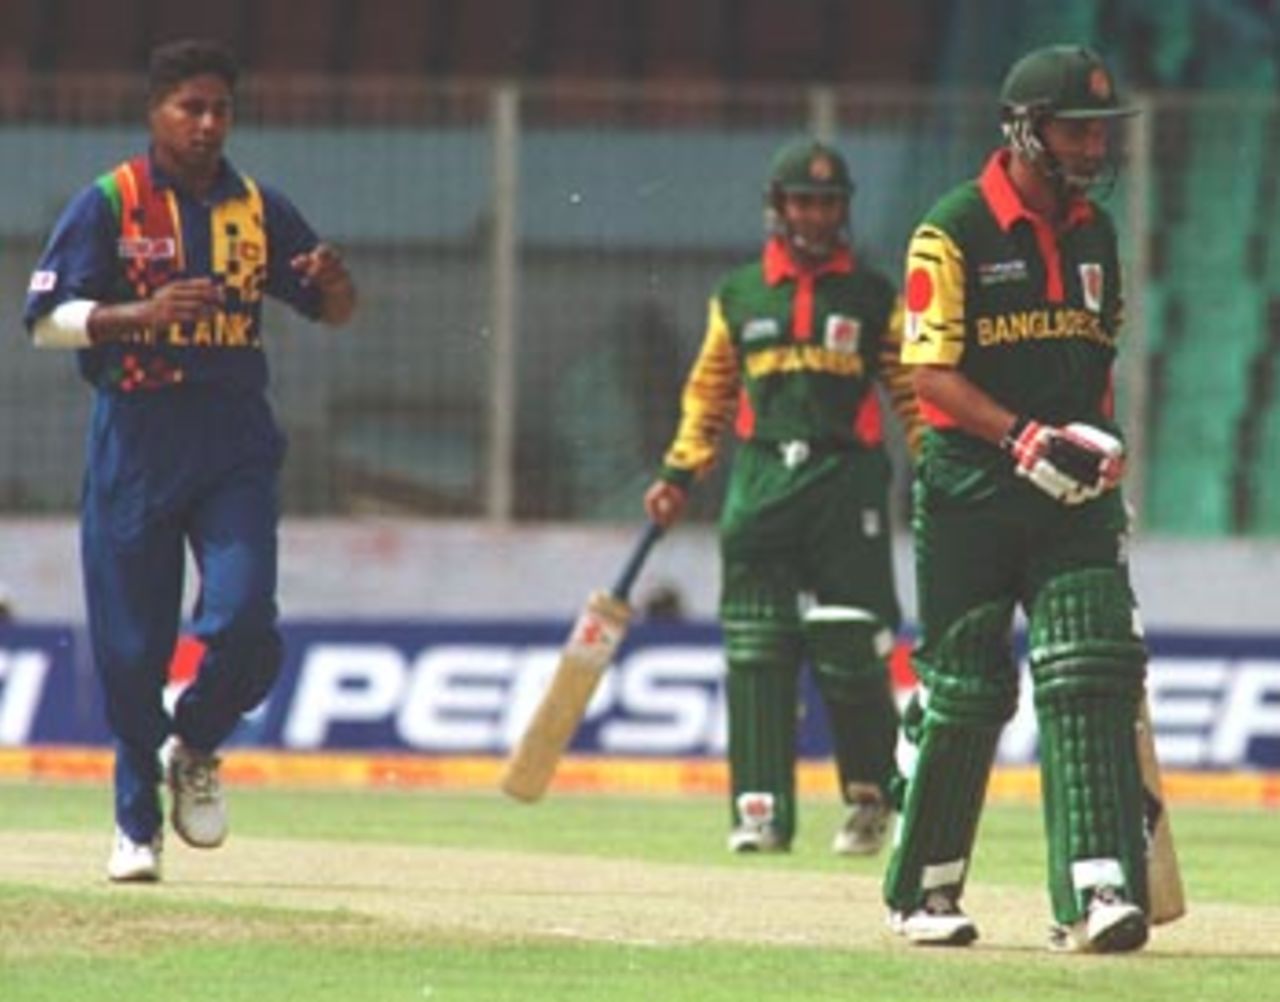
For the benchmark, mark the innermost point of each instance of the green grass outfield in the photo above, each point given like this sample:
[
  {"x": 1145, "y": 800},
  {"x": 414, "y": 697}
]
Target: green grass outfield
[{"x": 455, "y": 897}]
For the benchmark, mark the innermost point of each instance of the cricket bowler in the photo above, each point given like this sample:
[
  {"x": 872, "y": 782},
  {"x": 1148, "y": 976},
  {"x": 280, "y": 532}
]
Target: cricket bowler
[{"x": 155, "y": 276}]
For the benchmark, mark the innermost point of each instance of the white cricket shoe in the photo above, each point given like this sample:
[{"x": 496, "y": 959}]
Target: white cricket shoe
[
  {"x": 197, "y": 810},
  {"x": 938, "y": 922},
  {"x": 134, "y": 862},
  {"x": 756, "y": 838},
  {"x": 864, "y": 830},
  {"x": 1110, "y": 925}
]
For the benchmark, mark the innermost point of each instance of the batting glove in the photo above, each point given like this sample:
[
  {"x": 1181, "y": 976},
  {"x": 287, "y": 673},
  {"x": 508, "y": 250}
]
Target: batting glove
[{"x": 1072, "y": 464}]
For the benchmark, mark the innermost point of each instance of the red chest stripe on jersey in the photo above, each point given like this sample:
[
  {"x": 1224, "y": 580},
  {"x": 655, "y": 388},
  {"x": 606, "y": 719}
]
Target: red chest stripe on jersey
[
  {"x": 779, "y": 265},
  {"x": 1008, "y": 208}
]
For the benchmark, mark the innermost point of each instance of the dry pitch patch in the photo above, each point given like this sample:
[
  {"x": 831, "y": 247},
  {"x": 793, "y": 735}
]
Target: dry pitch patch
[{"x": 341, "y": 892}]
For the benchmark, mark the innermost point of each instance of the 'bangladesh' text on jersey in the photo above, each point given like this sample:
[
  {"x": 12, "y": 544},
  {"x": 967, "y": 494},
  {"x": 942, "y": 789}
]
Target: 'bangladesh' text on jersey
[
  {"x": 793, "y": 355},
  {"x": 1029, "y": 315}
]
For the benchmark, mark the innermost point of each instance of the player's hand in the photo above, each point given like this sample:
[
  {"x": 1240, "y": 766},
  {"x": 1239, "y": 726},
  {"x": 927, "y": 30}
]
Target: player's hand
[
  {"x": 184, "y": 300},
  {"x": 664, "y": 503},
  {"x": 1072, "y": 464},
  {"x": 322, "y": 267}
]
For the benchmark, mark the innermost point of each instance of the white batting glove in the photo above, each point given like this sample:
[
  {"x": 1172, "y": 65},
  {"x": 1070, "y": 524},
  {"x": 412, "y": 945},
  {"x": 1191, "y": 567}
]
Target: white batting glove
[{"x": 1072, "y": 464}]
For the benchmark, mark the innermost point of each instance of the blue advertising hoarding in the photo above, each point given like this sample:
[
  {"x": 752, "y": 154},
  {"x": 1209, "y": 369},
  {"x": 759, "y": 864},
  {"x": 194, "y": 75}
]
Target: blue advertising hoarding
[{"x": 468, "y": 688}]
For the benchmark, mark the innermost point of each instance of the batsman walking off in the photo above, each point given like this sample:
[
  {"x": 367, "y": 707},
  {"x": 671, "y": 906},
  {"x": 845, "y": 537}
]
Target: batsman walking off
[
  {"x": 794, "y": 346},
  {"x": 155, "y": 274},
  {"x": 1013, "y": 320}
]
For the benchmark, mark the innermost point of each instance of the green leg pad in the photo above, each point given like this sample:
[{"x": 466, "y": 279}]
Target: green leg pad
[
  {"x": 762, "y": 696},
  {"x": 847, "y": 647},
  {"x": 1088, "y": 667},
  {"x": 972, "y": 691}
]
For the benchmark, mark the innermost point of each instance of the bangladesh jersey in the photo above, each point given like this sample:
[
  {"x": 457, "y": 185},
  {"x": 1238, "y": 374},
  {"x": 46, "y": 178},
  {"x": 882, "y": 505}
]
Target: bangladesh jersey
[
  {"x": 1029, "y": 314},
  {"x": 793, "y": 354}
]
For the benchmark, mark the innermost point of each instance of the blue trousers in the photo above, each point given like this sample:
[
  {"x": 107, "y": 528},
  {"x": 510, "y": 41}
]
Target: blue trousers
[{"x": 197, "y": 468}]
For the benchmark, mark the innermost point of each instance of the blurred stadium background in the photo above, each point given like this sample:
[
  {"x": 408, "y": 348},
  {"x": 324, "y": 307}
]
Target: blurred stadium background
[{"x": 537, "y": 195}]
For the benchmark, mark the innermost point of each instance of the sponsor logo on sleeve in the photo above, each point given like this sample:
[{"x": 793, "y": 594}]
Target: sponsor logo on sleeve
[
  {"x": 42, "y": 281},
  {"x": 919, "y": 299}
]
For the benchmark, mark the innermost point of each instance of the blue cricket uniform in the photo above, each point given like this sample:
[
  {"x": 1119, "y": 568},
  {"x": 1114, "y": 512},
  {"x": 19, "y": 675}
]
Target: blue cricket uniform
[{"x": 183, "y": 450}]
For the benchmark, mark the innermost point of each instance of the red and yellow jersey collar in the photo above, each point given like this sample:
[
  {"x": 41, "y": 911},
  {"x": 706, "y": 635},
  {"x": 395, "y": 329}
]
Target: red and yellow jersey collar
[
  {"x": 1007, "y": 205},
  {"x": 780, "y": 265}
]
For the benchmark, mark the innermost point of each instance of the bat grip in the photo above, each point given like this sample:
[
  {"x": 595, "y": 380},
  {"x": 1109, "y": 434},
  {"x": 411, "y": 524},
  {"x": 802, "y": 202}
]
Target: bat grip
[{"x": 631, "y": 569}]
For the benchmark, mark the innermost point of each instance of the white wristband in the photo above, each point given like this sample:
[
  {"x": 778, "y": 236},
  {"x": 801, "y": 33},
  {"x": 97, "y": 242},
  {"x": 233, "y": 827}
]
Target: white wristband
[{"x": 67, "y": 326}]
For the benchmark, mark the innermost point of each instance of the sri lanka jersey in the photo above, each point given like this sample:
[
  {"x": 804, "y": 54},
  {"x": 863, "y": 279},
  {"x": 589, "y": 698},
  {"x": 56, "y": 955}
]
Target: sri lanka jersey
[{"x": 132, "y": 231}]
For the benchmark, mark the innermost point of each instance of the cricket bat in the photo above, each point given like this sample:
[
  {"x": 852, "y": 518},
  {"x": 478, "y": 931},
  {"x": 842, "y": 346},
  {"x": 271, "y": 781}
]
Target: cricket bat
[
  {"x": 1164, "y": 878},
  {"x": 592, "y": 643}
]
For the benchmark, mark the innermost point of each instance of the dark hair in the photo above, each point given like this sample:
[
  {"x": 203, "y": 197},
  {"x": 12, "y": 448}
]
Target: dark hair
[{"x": 174, "y": 62}]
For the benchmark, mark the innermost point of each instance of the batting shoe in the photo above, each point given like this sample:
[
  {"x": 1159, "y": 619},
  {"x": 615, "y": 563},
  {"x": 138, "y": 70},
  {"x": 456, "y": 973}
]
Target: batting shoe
[
  {"x": 757, "y": 838},
  {"x": 135, "y": 862},
  {"x": 197, "y": 809},
  {"x": 864, "y": 829},
  {"x": 1110, "y": 925},
  {"x": 938, "y": 922}
]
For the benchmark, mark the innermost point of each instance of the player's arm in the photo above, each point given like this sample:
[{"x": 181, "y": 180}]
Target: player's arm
[
  {"x": 706, "y": 407},
  {"x": 897, "y": 380},
  {"x": 304, "y": 271}
]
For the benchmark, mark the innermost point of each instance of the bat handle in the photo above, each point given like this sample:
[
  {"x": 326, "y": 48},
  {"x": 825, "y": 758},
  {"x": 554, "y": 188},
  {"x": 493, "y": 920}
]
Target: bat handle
[{"x": 631, "y": 570}]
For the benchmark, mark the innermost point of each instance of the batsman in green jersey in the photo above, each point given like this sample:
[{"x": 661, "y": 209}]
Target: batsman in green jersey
[
  {"x": 795, "y": 344},
  {"x": 1013, "y": 317}
]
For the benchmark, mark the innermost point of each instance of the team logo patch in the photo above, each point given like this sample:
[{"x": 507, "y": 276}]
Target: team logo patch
[
  {"x": 919, "y": 299},
  {"x": 1100, "y": 84},
  {"x": 759, "y": 329},
  {"x": 1000, "y": 272},
  {"x": 821, "y": 168},
  {"x": 843, "y": 334},
  {"x": 147, "y": 248},
  {"x": 42, "y": 281},
  {"x": 1091, "y": 286}
]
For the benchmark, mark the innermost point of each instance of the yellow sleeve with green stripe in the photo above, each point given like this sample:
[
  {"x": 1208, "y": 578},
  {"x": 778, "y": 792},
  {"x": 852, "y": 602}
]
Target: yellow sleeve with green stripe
[
  {"x": 707, "y": 405},
  {"x": 935, "y": 299},
  {"x": 897, "y": 379}
]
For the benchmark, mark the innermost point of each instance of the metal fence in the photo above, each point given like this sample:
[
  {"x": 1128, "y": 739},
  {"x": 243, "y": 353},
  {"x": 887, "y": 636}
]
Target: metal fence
[{"x": 534, "y": 264}]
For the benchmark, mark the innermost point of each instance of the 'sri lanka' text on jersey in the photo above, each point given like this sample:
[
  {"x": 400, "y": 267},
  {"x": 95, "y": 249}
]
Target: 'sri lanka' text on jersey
[
  {"x": 793, "y": 354},
  {"x": 133, "y": 231},
  {"x": 1030, "y": 315}
]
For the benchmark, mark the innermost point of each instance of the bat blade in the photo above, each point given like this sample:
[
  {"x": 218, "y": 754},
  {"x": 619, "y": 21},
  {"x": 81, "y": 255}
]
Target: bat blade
[
  {"x": 586, "y": 656},
  {"x": 1164, "y": 877}
]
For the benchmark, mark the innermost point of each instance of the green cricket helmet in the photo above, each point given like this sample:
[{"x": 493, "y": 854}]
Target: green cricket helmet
[
  {"x": 1058, "y": 82},
  {"x": 811, "y": 167},
  {"x": 808, "y": 167},
  {"x": 1061, "y": 81}
]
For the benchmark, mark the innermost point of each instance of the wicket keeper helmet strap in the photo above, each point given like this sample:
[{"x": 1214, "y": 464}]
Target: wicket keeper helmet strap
[{"x": 808, "y": 166}]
